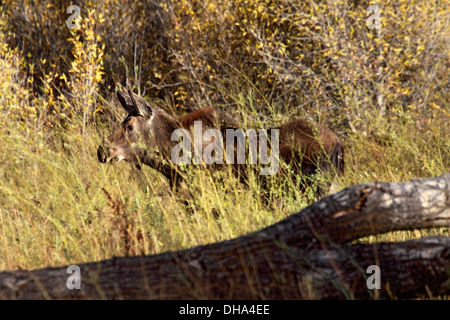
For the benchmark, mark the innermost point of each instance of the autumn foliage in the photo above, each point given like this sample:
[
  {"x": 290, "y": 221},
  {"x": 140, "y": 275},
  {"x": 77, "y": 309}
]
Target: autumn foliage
[{"x": 320, "y": 55}]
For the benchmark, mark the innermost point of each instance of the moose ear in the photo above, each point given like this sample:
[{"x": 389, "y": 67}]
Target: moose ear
[
  {"x": 141, "y": 105},
  {"x": 126, "y": 101}
]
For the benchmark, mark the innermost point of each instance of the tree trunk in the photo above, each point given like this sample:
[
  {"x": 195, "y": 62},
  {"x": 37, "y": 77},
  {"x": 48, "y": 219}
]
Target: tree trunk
[{"x": 305, "y": 256}]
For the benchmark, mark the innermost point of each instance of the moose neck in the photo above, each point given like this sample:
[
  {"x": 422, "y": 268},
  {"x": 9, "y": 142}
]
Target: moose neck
[{"x": 161, "y": 127}]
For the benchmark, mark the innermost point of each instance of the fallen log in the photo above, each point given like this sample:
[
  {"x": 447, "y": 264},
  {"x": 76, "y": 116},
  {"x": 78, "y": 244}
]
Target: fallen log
[{"x": 305, "y": 256}]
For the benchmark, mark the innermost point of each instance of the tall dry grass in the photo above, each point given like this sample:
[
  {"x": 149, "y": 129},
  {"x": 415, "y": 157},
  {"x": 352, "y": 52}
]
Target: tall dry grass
[{"x": 59, "y": 205}]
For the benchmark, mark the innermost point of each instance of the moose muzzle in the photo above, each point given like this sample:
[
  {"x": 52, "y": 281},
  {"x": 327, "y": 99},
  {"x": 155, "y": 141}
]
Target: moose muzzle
[{"x": 101, "y": 154}]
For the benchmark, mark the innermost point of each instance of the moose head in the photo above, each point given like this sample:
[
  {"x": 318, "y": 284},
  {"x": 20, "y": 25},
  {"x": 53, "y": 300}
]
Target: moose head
[{"x": 145, "y": 128}]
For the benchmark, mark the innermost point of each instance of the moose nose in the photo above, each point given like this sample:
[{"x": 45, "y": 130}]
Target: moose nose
[{"x": 101, "y": 155}]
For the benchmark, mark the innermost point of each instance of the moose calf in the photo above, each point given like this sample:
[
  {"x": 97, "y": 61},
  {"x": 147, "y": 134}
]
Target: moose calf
[{"x": 146, "y": 137}]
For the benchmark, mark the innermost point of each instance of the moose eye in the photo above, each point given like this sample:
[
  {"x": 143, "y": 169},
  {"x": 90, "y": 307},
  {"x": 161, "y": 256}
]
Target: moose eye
[{"x": 129, "y": 128}]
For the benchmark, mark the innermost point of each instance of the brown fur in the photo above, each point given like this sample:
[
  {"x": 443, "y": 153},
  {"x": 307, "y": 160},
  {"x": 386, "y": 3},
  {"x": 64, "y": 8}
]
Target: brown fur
[
  {"x": 209, "y": 117},
  {"x": 303, "y": 138}
]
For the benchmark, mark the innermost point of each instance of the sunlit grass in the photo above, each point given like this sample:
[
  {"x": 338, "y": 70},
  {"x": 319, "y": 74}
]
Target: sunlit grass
[{"x": 54, "y": 210}]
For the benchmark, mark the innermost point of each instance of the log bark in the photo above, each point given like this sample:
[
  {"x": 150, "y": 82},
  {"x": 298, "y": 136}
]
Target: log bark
[{"x": 306, "y": 256}]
